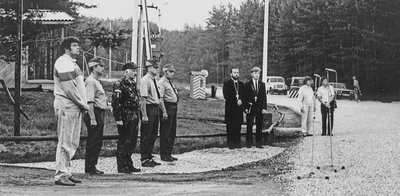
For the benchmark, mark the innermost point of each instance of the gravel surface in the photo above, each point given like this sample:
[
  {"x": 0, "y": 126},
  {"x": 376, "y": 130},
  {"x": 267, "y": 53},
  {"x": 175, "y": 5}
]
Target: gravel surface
[
  {"x": 191, "y": 162},
  {"x": 366, "y": 141}
]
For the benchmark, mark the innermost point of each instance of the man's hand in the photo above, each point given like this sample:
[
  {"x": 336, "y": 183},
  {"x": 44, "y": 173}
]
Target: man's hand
[
  {"x": 239, "y": 102},
  {"x": 327, "y": 105},
  {"x": 145, "y": 119},
  {"x": 119, "y": 122},
  {"x": 165, "y": 116},
  {"x": 93, "y": 122},
  {"x": 86, "y": 107},
  {"x": 302, "y": 109},
  {"x": 264, "y": 111},
  {"x": 246, "y": 111}
]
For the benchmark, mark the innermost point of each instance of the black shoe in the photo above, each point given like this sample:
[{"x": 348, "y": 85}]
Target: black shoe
[
  {"x": 124, "y": 170},
  {"x": 64, "y": 181},
  {"x": 173, "y": 158},
  {"x": 308, "y": 134},
  {"x": 167, "y": 159},
  {"x": 147, "y": 163},
  {"x": 94, "y": 171},
  {"x": 74, "y": 180},
  {"x": 154, "y": 162},
  {"x": 133, "y": 169},
  {"x": 258, "y": 146}
]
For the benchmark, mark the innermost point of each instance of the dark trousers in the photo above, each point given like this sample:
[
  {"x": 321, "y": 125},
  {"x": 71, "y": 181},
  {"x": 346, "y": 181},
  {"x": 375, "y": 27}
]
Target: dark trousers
[
  {"x": 127, "y": 140},
  {"x": 233, "y": 128},
  {"x": 168, "y": 130},
  {"x": 250, "y": 122},
  {"x": 148, "y": 132},
  {"x": 324, "y": 113},
  {"x": 95, "y": 138}
]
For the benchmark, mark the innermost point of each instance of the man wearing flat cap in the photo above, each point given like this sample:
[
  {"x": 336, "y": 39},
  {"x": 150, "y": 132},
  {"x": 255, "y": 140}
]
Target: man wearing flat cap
[
  {"x": 150, "y": 107},
  {"x": 94, "y": 118},
  {"x": 169, "y": 108},
  {"x": 256, "y": 105},
  {"x": 126, "y": 104}
]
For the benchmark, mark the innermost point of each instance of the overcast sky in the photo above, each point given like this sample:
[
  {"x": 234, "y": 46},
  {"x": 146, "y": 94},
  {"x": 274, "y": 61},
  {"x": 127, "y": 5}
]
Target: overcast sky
[{"x": 175, "y": 13}]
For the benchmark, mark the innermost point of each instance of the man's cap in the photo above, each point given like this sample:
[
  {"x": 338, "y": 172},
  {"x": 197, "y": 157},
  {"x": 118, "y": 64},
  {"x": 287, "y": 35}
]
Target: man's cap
[
  {"x": 95, "y": 61},
  {"x": 255, "y": 69},
  {"x": 169, "y": 67},
  {"x": 130, "y": 65},
  {"x": 151, "y": 63}
]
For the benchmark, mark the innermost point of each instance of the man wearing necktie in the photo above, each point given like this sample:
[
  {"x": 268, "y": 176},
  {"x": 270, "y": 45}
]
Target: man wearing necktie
[
  {"x": 169, "y": 108},
  {"x": 150, "y": 106},
  {"x": 233, "y": 91},
  {"x": 256, "y": 105}
]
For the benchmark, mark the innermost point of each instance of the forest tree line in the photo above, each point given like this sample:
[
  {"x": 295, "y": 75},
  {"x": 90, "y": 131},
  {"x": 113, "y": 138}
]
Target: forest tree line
[{"x": 354, "y": 37}]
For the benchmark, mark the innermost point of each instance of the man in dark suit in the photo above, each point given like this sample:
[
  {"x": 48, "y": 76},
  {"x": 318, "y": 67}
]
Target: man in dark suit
[
  {"x": 233, "y": 90},
  {"x": 256, "y": 105}
]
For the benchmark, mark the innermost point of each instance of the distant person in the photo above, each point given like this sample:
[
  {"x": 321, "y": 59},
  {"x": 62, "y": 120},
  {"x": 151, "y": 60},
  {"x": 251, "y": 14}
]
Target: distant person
[
  {"x": 94, "y": 118},
  {"x": 357, "y": 89},
  {"x": 256, "y": 105},
  {"x": 150, "y": 106},
  {"x": 169, "y": 108},
  {"x": 126, "y": 105},
  {"x": 69, "y": 104},
  {"x": 326, "y": 95},
  {"x": 233, "y": 91},
  {"x": 307, "y": 106}
]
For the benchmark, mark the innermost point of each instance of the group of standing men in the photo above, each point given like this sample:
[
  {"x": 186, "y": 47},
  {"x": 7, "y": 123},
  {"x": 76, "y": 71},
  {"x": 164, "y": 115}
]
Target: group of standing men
[
  {"x": 249, "y": 98},
  {"x": 153, "y": 103}
]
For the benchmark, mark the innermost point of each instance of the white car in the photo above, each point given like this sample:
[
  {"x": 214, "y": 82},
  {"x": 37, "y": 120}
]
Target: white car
[{"x": 276, "y": 84}]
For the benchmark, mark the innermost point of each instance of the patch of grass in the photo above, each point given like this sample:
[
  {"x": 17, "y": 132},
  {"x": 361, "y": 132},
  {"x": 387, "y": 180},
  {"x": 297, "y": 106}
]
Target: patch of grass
[{"x": 39, "y": 105}]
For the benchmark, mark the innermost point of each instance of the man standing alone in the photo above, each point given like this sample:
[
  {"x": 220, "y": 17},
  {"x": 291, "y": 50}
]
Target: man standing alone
[
  {"x": 126, "y": 104},
  {"x": 94, "y": 118},
  {"x": 170, "y": 98},
  {"x": 150, "y": 107},
  {"x": 357, "y": 89},
  {"x": 256, "y": 105},
  {"x": 69, "y": 104},
  {"x": 233, "y": 91}
]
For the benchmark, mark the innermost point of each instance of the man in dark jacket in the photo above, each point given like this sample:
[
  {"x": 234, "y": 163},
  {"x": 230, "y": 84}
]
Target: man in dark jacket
[
  {"x": 126, "y": 104},
  {"x": 256, "y": 105},
  {"x": 233, "y": 91}
]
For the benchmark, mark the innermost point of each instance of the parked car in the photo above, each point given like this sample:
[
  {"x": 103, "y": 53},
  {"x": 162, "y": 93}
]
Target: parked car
[
  {"x": 276, "y": 84},
  {"x": 341, "y": 90}
]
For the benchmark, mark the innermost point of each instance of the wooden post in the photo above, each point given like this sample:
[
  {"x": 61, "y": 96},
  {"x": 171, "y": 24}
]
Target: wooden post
[
  {"x": 109, "y": 57},
  {"x": 265, "y": 47},
  {"x": 18, "y": 62},
  {"x": 146, "y": 32}
]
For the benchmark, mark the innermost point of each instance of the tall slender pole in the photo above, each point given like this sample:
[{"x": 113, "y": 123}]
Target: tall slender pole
[
  {"x": 265, "y": 46},
  {"x": 18, "y": 62},
  {"x": 109, "y": 57},
  {"x": 140, "y": 43},
  {"x": 134, "y": 46}
]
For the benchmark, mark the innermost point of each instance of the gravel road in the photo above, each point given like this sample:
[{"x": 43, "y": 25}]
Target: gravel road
[{"x": 366, "y": 141}]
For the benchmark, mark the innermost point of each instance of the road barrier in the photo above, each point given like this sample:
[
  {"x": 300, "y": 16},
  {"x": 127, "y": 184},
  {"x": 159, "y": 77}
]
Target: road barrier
[{"x": 293, "y": 93}]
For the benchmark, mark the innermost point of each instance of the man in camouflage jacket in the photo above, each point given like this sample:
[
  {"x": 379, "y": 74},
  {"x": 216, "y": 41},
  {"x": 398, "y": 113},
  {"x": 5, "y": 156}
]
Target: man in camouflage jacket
[{"x": 126, "y": 104}]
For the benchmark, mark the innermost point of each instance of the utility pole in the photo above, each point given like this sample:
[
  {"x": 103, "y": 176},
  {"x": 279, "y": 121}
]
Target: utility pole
[
  {"x": 17, "y": 74},
  {"x": 265, "y": 46},
  {"x": 134, "y": 46},
  {"x": 109, "y": 56}
]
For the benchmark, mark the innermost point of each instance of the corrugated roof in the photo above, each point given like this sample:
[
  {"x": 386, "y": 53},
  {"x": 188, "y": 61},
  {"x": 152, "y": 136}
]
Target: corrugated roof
[{"x": 49, "y": 15}]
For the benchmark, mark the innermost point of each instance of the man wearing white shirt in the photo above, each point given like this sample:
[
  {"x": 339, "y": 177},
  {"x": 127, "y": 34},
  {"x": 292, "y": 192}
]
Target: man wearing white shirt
[
  {"x": 326, "y": 96},
  {"x": 307, "y": 106}
]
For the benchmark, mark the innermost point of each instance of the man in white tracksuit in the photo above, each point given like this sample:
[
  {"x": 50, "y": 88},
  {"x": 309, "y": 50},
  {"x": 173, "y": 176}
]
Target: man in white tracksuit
[{"x": 307, "y": 106}]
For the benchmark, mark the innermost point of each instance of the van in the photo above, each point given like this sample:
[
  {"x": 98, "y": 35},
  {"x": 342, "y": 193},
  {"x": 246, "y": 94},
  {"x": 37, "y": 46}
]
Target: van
[{"x": 276, "y": 84}]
